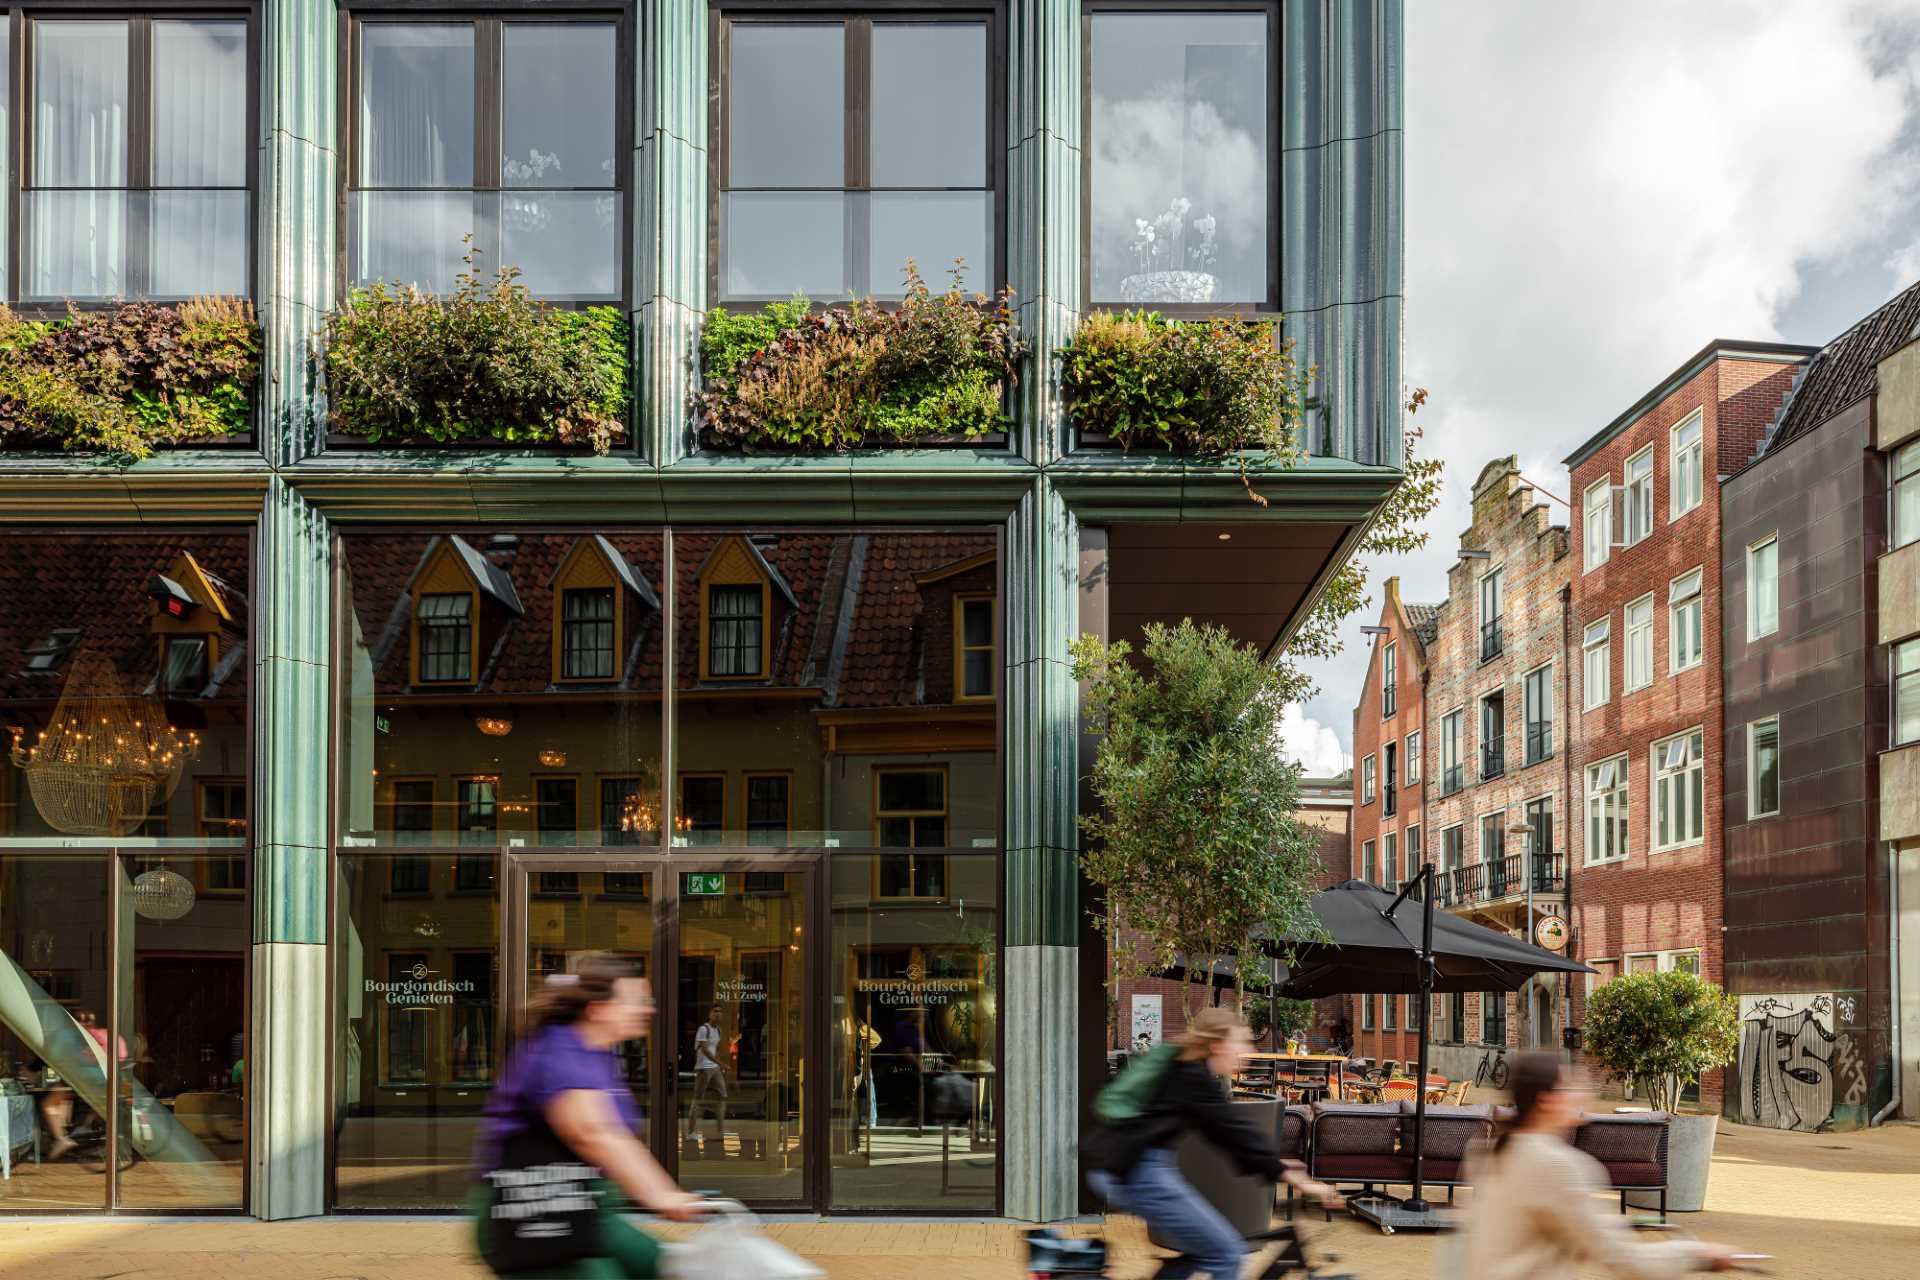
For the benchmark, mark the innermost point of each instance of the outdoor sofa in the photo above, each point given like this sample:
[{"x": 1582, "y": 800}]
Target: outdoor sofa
[{"x": 1632, "y": 1148}]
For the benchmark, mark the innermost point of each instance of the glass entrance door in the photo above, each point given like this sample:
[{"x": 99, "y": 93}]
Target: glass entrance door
[{"x": 726, "y": 945}]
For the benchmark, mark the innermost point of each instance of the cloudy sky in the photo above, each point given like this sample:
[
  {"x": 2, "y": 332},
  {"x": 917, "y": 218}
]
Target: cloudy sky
[{"x": 1594, "y": 192}]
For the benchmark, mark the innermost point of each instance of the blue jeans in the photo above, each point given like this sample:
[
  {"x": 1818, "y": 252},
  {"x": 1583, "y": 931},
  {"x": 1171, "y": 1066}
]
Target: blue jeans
[{"x": 1154, "y": 1191}]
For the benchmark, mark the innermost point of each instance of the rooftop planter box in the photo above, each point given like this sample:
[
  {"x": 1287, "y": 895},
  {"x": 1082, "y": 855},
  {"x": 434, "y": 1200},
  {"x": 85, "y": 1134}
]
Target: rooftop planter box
[
  {"x": 933, "y": 370},
  {"x": 487, "y": 364},
  {"x": 128, "y": 379},
  {"x": 1220, "y": 389}
]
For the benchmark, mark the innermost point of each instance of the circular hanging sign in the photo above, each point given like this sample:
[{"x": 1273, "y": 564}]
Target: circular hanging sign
[{"x": 1551, "y": 933}]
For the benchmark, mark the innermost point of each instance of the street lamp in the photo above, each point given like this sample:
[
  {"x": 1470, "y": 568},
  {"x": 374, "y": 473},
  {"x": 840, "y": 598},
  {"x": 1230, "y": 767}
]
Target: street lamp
[{"x": 1524, "y": 827}]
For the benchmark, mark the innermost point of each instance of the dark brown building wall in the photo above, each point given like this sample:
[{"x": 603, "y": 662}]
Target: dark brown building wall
[{"x": 1806, "y": 889}]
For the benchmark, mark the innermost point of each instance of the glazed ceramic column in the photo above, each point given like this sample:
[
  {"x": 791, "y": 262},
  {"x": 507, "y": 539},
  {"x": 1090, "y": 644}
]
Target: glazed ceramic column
[
  {"x": 1039, "y": 986},
  {"x": 670, "y": 215},
  {"x": 1043, "y": 205},
  {"x": 287, "y": 1057}
]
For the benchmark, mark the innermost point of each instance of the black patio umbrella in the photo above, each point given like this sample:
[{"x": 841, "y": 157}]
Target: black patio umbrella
[{"x": 1373, "y": 945}]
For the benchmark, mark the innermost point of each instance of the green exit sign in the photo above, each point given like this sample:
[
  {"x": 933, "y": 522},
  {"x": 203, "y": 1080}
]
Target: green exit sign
[{"x": 704, "y": 884}]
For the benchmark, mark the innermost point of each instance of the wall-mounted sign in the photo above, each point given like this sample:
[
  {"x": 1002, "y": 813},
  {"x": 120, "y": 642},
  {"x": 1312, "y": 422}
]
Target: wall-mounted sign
[
  {"x": 1146, "y": 1023},
  {"x": 419, "y": 988},
  {"x": 703, "y": 884},
  {"x": 1551, "y": 933}
]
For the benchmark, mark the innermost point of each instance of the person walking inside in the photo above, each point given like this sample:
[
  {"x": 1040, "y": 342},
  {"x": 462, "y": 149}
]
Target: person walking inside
[
  {"x": 1534, "y": 1215},
  {"x": 558, "y": 1138},
  {"x": 709, "y": 1077}
]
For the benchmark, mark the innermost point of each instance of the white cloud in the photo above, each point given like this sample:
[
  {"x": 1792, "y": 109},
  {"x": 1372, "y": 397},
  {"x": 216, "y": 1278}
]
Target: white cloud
[
  {"x": 1313, "y": 744},
  {"x": 1595, "y": 192}
]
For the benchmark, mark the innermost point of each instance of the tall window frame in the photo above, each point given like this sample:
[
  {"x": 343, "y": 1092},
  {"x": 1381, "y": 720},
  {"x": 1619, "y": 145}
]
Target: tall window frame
[
  {"x": 858, "y": 21},
  {"x": 1637, "y": 498},
  {"x": 139, "y": 17},
  {"x": 1389, "y": 778},
  {"x": 1537, "y": 712},
  {"x": 1903, "y": 496},
  {"x": 1596, "y": 664},
  {"x": 1686, "y": 481},
  {"x": 1676, "y": 814},
  {"x": 1686, "y": 642},
  {"x": 1637, "y": 657},
  {"x": 1411, "y": 757},
  {"x": 1606, "y": 793},
  {"x": 1453, "y": 736},
  {"x": 1903, "y": 660},
  {"x": 1091, "y": 10},
  {"x": 1369, "y": 779},
  {"x": 1597, "y": 523},
  {"x": 1389, "y": 680},
  {"x": 1763, "y": 768},
  {"x": 1763, "y": 587},
  {"x": 489, "y": 132}
]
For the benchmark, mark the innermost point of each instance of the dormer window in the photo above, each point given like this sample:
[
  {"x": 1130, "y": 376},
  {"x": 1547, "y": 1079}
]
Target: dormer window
[
  {"x": 735, "y": 622},
  {"x": 586, "y": 633},
  {"x": 974, "y": 648},
  {"x": 445, "y": 640},
  {"x": 186, "y": 669},
  {"x": 48, "y": 654}
]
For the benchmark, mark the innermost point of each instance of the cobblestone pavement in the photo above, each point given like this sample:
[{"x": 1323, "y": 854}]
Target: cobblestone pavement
[{"x": 1845, "y": 1206}]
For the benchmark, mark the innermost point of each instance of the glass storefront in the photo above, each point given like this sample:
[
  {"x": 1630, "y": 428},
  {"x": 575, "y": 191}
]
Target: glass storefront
[
  {"x": 763, "y": 764},
  {"x": 125, "y": 922}
]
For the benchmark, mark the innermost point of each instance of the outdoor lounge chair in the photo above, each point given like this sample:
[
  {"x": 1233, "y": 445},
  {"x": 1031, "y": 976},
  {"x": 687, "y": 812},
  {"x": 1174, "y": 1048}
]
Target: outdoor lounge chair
[
  {"x": 1357, "y": 1144},
  {"x": 1632, "y": 1148},
  {"x": 1450, "y": 1131},
  {"x": 1295, "y": 1123}
]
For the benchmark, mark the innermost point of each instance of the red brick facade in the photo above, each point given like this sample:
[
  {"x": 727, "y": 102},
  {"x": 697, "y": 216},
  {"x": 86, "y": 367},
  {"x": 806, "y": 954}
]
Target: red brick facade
[{"x": 1644, "y": 906}]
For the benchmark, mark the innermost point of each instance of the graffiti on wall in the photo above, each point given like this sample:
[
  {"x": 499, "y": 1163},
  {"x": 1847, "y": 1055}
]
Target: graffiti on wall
[{"x": 1787, "y": 1059}]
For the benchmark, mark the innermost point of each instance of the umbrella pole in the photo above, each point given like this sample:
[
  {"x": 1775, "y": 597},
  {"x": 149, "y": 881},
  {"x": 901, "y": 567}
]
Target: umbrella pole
[{"x": 1417, "y": 1203}]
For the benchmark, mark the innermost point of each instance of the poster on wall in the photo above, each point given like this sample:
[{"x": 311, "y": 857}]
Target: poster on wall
[
  {"x": 1787, "y": 1060},
  {"x": 1146, "y": 1023}
]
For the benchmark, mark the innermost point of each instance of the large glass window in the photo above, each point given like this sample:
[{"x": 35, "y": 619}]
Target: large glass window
[
  {"x": 135, "y": 180},
  {"x": 1389, "y": 679},
  {"x": 851, "y": 146},
  {"x": 505, "y": 131},
  {"x": 1538, "y": 695},
  {"x": 1638, "y": 498},
  {"x": 1679, "y": 780},
  {"x": 1638, "y": 619},
  {"x": 1596, "y": 506},
  {"x": 1452, "y": 744},
  {"x": 1686, "y": 479},
  {"x": 1906, "y": 494},
  {"x": 1763, "y": 588},
  {"x": 1180, "y": 159},
  {"x": 1684, "y": 641},
  {"x": 1763, "y": 767},
  {"x": 1607, "y": 810},
  {"x": 1906, "y": 693},
  {"x": 1596, "y": 663}
]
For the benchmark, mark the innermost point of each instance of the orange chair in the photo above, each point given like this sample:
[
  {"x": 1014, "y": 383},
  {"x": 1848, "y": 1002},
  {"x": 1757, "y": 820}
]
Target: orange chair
[{"x": 1397, "y": 1090}]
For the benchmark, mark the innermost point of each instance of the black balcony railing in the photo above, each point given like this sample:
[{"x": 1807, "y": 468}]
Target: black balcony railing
[
  {"x": 1503, "y": 877},
  {"x": 1493, "y": 762},
  {"x": 1452, "y": 778},
  {"x": 1539, "y": 742},
  {"x": 1493, "y": 639}
]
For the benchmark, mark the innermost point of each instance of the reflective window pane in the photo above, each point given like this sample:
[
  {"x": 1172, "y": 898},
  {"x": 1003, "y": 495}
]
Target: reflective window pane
[
  {"x": 558, "y": 104},
  {"x": 1179, "y": 135},
  {"x": 54, "y": 1015},
  {"x": 80, "y": 104},
  {"x": 929, "y": 108},
  {"x": 775, "y": 244},
  {"x": 199, "y": 104},
  {"x": 933, "y": 228},
  {"x": 181, "y": 1036},
  {"x": 914, "y": 1038},
  {"x": 786, "y": 86},
  {"x": 6, "y": 154},
  {"x": 412, "y": 237},
  {"x": 511, "y": 754},
  {"x": 76, "y": 244},
  {"x": 198, "y": 243},
  {"x": 565, "y": 243},
  {"x": 416, "y": 105}
]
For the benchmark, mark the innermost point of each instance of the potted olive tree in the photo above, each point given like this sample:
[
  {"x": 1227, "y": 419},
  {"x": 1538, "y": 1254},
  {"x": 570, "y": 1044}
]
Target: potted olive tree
[{"x": 1659, "y": 1032}]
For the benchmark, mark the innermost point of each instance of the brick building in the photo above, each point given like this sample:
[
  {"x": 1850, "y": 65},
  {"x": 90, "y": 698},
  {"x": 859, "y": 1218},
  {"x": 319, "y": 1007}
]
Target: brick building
[
  {"x": 1646, "y": 637},
  {"x": 1496, "y": 694},
  {"x": 1823, "y": 760},
  {"x": 1388, "y": 811}
]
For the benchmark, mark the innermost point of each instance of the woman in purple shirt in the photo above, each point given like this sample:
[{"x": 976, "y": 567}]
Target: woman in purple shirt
[{"x": 561, "y": 1100}]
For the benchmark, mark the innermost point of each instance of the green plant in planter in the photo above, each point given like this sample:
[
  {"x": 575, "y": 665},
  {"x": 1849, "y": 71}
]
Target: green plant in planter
[
  {"x": 488, "y": 361},
  {"x": 788, "y": 377},
  {"x": 1218, "y": 388},
  {"x": 1660, "y": 1031},
  {"x": 1286, "y": 1017},
  {"x": 127, "y": 378}
]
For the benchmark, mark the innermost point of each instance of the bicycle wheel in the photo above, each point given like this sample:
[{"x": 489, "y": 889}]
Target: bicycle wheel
[{"x": 1499, "y": 1074}]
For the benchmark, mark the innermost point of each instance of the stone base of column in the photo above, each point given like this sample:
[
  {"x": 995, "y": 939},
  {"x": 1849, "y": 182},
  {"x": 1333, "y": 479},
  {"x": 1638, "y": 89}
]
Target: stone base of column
[
  {"x": 1040, "y": 1043},
  {"x": 287, "y": 1080}
]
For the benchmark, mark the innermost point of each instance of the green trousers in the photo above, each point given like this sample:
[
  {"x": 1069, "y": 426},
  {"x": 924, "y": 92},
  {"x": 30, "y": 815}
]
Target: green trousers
[{"x": 631, "y": 1254}]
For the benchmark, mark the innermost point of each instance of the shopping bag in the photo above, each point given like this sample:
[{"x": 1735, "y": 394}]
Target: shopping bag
[{"x": 730, "y": 1245}]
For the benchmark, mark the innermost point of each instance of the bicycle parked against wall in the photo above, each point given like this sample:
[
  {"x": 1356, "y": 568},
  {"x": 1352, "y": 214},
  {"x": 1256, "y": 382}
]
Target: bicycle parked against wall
[{"x": 1492, "y": 1072}]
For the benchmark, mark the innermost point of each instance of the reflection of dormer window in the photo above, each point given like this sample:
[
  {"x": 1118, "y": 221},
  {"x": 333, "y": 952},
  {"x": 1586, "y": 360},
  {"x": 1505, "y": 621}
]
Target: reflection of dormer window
[
  {"x": 735, "y": 625},
  {"x": 47, "y": 655},
  {"x": 446, "y": 637},
  {"x": 186, "y": 669},
  {"x": 586, "y": 634},
  {"x": 973, "y": 648}
]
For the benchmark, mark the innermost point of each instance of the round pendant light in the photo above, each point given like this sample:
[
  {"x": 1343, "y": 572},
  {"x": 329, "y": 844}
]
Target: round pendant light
[{"x": 161, "y": 894}]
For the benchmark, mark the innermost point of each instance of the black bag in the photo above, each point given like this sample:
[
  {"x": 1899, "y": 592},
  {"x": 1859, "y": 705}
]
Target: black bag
[{"x": 543, "y": 1206}]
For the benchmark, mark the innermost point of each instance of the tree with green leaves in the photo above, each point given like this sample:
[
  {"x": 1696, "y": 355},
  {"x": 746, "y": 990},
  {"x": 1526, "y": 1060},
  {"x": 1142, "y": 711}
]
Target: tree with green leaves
[
  {"x": 1660, "y": 1032},
  {"x": 1194, "y": 842}
]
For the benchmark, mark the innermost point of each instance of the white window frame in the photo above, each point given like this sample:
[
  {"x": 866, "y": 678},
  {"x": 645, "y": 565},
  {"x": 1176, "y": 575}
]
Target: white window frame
[
  {"x": 1410, "y": 764},
  {"x": 1410, "y": 850},
  {"x": 1459, "y": 743},
  {"x": 1390, "y": 859},
  {"x": 1756, "y": 625},
  {"x": 1369, "y": 862},
  {"x": 1638, "y": 508},
  {"x": 1497, "y": 576},
  {"x": 1369, "y": 777},
  {"x": 1443, "y": 865},
  {"x": 1903, "y": 475},
  {"x": 1606, "y": 800},
  {"x": 1753, "y": 768},
  {"x": 1480, "y": 829},
  {"x": 1596, "y": 643},
  {"x": 1686, "y": 482},
  {"x": 1638, "y": 640},
  {"x": 1366, "y": 1013},
  {"x": 1665, "y": 961},
  {"x": 1389, "y": 679},
  {"x": 1389, "y": 1013},
  {"x": 1597, "y": 514},
  {"x": 1659, "y": 773},
  {"x": 1526, "y": 726},
  {"x": 1680, "y": 602}
]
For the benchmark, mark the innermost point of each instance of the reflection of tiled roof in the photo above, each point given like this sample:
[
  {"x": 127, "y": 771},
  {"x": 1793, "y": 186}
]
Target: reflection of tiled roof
[
  {"x": 1426, "y": 621},
  {"x": 1848, "y": 367},
  {"x": 97, "y": 584},
  {"x": 849, "y": 618}
]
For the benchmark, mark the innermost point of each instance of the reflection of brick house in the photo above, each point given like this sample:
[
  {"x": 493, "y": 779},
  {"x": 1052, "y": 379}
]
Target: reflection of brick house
[{"x": 824, "y": 682}]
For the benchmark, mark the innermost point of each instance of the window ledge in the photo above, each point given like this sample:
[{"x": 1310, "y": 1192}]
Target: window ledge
[
  {"x": 1677, "y": 848},
  {"x": 1605, "y": 862},
  {"x": 1762, "y": 817}
]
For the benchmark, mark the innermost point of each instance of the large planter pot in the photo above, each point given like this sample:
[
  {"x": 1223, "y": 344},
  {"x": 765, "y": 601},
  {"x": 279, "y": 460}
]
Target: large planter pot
[
  {"x": 1689, "y": 1158},
  {"x": 1244, "y": 1200}
]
